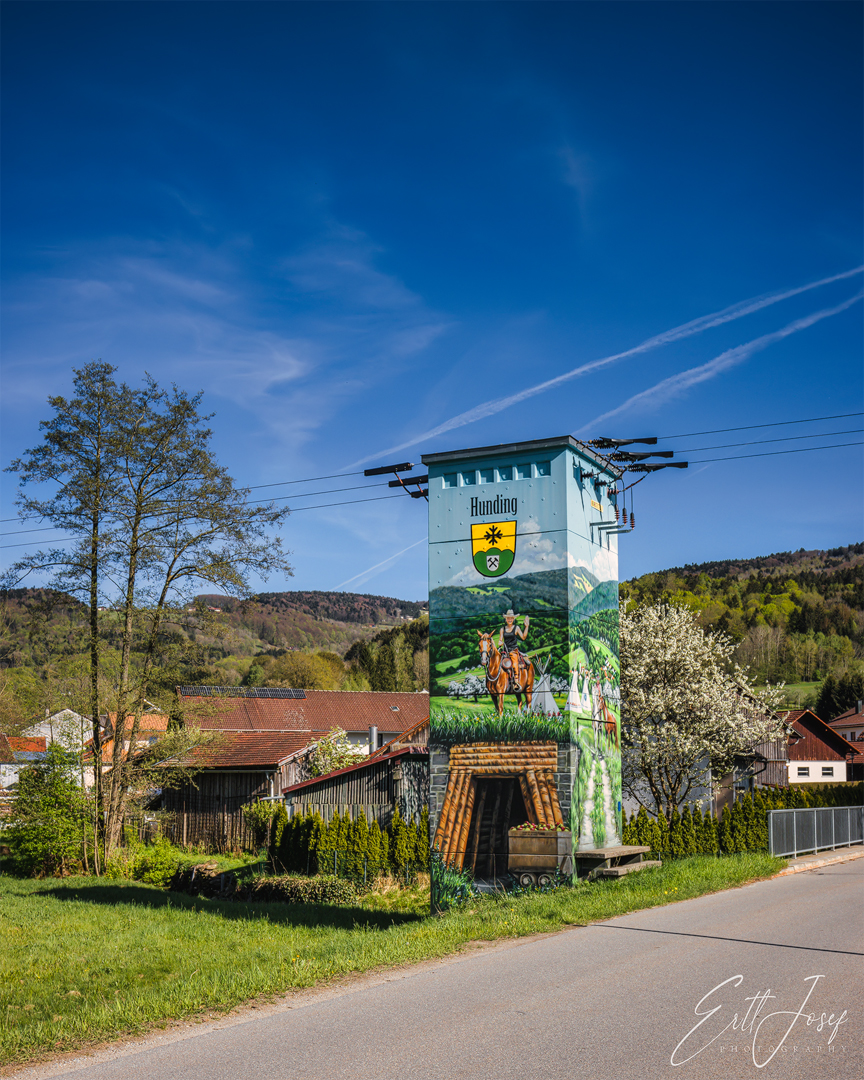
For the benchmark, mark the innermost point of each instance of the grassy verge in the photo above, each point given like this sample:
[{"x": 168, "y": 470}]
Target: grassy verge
[{"x": 83, "y": 960}]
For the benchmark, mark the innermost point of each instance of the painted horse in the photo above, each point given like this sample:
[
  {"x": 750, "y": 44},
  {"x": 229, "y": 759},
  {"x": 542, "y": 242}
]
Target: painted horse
[
  {"x": 501, "y": 680},
  {"x": 604, "y": 718}
]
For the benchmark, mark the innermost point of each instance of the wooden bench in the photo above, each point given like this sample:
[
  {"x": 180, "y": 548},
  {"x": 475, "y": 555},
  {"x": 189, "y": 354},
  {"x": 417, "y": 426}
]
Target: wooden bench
[
  {"x": 611, "y": 861},
  {"x": 627, "y": 868}
]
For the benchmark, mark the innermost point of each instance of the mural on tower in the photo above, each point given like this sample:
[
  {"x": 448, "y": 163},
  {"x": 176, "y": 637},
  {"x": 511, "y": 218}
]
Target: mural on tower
[{"x": 524, "y": 672}]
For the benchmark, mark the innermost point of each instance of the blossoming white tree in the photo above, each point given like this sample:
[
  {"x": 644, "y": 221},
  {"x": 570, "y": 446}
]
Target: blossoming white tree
[{"x": 687, "y": 708}]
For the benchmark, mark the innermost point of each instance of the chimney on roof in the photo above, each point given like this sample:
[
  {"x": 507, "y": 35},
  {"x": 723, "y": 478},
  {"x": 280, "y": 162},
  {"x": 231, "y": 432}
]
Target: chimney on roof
[
  {"x": 861, "y": 706},
  {"x": 373, "y": 738}
]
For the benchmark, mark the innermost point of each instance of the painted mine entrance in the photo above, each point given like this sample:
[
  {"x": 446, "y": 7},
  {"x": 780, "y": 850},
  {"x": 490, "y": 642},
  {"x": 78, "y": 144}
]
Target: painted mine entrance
[
  {"x": 498, "y": 807},
  {"x": 491, "y": 789}
]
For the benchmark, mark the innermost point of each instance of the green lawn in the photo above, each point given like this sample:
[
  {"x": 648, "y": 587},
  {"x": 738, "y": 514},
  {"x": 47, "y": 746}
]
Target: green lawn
[{"x": 83, "y": 959}]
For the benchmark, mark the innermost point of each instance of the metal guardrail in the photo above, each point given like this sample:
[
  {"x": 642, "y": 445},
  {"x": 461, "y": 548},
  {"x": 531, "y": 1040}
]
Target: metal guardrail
[{"x": 799, "y": 832}]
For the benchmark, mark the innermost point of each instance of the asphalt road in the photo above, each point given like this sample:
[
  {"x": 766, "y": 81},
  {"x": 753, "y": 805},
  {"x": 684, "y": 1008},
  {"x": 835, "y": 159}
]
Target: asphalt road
[{"x": 606, "y": 1002}]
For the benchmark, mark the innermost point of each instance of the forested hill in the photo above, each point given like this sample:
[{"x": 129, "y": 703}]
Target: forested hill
[
  {"x": 800, "y": 563},
  {"x": 797, "y": 616},
  {"x": 340, "y": 606}
]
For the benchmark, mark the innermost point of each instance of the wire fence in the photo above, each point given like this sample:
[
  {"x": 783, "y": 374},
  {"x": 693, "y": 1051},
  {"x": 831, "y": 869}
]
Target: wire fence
[{"x": 801, "y": 832}]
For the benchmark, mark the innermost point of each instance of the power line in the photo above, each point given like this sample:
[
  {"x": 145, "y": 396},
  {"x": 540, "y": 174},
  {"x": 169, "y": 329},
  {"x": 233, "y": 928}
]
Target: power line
[
  {"x": 279, "y": 498},
  {"x": 253, "y": 487},
  {"x": 317, "y": 506},
  {"x": 352, "y": 502},
  {"x": 760, "y": 442},
  {"x": 308, "y": 480},
  {"x": 750, "y": 427},
  {"x": 774, "y": 453},
  {"x": 35, "y": 543}
]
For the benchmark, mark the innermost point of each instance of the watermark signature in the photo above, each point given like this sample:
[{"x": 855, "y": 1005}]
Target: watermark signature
[{"x": 769, "y": 1030}]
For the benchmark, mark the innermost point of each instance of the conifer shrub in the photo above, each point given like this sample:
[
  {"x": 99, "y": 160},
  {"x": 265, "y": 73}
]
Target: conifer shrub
[
  {"x": 280, "y": 820},
  {"x": 688, "y": 841},
  {"x": 403, "y": 844}
]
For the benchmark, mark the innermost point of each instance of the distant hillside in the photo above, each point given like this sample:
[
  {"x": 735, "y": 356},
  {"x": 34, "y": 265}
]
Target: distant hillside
[
  {"x": 338, "y": 606},
  {"x": 43, "y": 644},
  {"x": 782, "y": 562},
  {"x": 797, "y": 616}
]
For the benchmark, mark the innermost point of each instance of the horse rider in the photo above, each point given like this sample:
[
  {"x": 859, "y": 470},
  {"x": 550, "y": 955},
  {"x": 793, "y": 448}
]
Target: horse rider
[{"x": 508, "y": 643}]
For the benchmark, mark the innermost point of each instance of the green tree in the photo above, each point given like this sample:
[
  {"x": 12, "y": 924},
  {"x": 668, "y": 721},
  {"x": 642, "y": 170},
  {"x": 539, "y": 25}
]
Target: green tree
[
  {"x": 47, "y": 830},
  {"x": 840, "y": 692},
  {"x": 133, "y": 479}
]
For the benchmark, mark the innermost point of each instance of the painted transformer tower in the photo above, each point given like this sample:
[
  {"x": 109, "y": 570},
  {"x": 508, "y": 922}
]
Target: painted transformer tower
[{"x": 524, "y": 673}]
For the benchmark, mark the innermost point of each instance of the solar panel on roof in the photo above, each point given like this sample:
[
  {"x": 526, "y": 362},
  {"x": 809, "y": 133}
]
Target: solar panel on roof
[{"x": 241, "y": 691}]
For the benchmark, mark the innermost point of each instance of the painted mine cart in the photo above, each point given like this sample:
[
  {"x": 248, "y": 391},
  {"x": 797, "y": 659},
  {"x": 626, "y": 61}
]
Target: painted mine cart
[{"x": 536, "y": 854}]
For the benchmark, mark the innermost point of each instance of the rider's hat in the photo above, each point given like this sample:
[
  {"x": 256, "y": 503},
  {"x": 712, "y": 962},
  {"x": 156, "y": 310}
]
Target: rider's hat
[{"x": 509, "y": 613}]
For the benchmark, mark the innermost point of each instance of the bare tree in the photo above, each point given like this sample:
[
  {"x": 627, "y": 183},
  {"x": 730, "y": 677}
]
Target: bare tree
[{"x": 154, "y": 517}]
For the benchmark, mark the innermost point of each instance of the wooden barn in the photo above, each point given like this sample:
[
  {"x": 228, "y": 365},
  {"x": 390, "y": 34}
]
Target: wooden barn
[
  {"x": 396, "y": 776},
  {"x": 236, "y": 769}
]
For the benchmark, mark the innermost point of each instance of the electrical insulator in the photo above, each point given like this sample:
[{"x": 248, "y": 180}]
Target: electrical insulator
[
  {"x": 616, "y": 514},
  {"x": 632, "y": 520}
]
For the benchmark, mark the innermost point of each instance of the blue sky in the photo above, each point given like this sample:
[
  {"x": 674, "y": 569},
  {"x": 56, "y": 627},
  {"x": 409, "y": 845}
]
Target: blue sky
[{"x": 350, "y": 224}]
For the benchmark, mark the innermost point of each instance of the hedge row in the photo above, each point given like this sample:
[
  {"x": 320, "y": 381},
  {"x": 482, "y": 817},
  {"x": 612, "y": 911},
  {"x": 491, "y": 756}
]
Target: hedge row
[
  {"x": 322, "y": 889},
  {"x": 207, "y": 880},
  {"x": 305, "y": 845},
  {"x": 743, "y": 827}
]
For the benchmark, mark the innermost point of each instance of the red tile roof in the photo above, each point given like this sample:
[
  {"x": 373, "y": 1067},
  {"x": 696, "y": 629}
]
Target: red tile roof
[
  {"x": 247, "y": 749},
  {"x": 315, "y": 713},
  {"x": 27, "y": 744},
  {"x": 149, "y": 722},
  {"x": 851, "y": 713},
  {"x": 19, "y": 749}
]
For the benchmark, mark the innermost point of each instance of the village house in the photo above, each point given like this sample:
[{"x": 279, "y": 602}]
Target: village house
[
  {"x": 70, "y": 729},
  {"x": 821, "y": 754},
  {"x": 850, "y": 724},
  {"x": 16, "y": 753},
  {"x": 151, "y": 726}
]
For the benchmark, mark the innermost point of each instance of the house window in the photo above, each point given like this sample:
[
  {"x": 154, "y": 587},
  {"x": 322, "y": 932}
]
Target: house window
[
  {"x": 803, "y": 770},
  {"x": 544, "y": 468},
  {"x": 505, "y": 472},
  {"x": 487, "y": 476},
  {"x": 469, "y": 478},
  {"x": 523, "y": 472},
  {"x": 827, "y": 770},
  {"x": 449, "y": 479}
]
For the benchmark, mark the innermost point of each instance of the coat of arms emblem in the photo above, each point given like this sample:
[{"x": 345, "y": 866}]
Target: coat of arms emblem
[{"x": 493, "y": 547}]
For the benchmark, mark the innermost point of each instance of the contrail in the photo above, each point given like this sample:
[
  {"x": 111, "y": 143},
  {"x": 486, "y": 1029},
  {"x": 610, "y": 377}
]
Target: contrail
[
  {"x": 677, "y": 384},
  {"x": 383, "y": 563},
  {"x": 678, "y": 333}
]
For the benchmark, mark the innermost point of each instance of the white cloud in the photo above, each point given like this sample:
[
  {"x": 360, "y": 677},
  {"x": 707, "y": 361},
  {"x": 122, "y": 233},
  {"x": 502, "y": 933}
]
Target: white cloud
[
  {"x": 677, "y": 384},
  {"x": 696, "y": 326}
]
